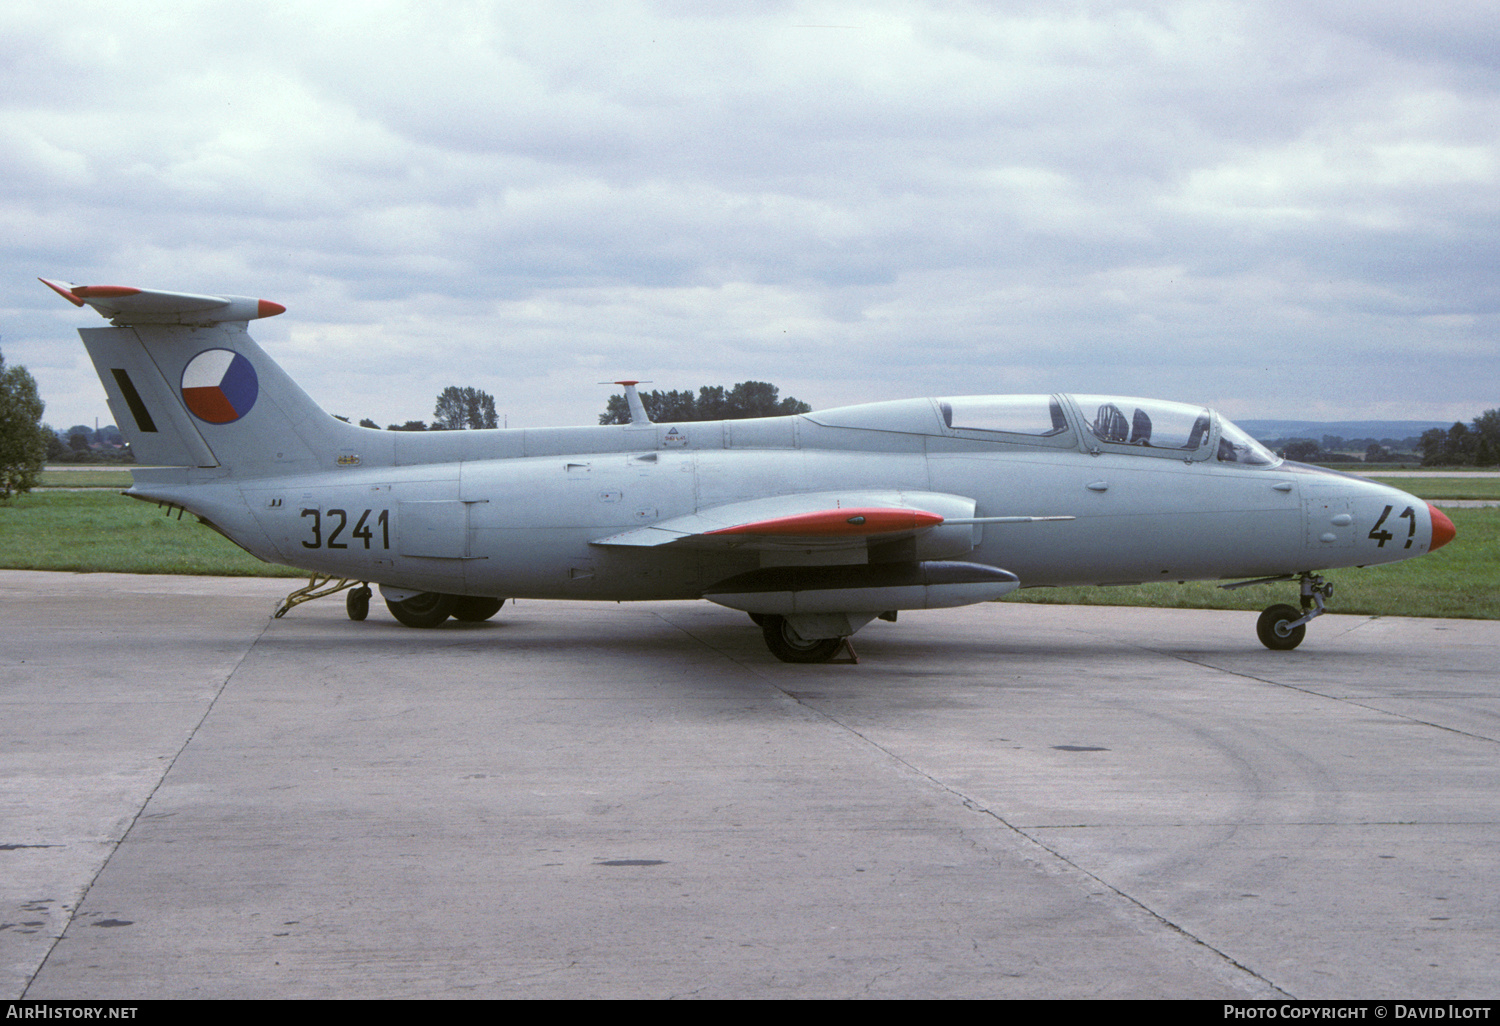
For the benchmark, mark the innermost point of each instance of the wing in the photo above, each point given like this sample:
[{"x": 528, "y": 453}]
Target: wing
[
  {"x": 817, "y": 523},
  {"x": 828, "y": 522}
]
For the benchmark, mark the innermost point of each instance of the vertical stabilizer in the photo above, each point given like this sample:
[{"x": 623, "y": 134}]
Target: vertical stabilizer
[
  {"x": 147, "y": 412},
  {"x": 189, "y": 387}
]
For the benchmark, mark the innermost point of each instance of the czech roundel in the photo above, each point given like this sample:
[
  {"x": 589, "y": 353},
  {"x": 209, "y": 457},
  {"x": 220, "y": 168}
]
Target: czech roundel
[{"x": 219, "y": 386}]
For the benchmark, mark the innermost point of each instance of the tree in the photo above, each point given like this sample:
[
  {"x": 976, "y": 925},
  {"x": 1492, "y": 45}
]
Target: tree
[
  {"x": 1303, "y": 450},
  {"x": 1460, "y": 446},
  {"x": 460, "y": 409},
  {"x": 713, "y": 402},
  {"x": 55, "y": 445},
  {"x": 366, "y": 422},
  {"x": 1431, "y": 446},
  {"x": 23, "y": 444},
  {"x": 1487, "y": 427},
  {"x": 411, "y": 425}
]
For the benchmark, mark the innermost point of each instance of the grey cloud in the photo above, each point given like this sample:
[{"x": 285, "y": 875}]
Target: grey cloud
[{"x": 855, "y": 200}]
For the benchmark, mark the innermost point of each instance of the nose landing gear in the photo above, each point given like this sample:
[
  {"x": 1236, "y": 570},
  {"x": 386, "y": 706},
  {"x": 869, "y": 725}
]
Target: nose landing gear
[{"x": 1282, "y": 627}]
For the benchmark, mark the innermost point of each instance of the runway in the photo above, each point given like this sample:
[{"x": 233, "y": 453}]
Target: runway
[{"x": 638, "y": 801}]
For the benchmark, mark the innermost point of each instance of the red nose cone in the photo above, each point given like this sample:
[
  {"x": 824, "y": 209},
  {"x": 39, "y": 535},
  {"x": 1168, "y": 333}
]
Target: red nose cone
[
  {"x": 270, "y": 309},
  {"x": 1443, "y": 530}
]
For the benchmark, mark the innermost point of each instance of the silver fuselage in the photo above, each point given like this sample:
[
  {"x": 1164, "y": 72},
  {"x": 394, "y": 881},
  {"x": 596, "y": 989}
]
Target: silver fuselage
[{"x": 521, "y": 513}]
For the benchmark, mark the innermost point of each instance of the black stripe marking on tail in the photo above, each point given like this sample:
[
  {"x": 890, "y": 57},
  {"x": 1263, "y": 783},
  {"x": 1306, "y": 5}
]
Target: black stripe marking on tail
[{"x": 138, "y": 409}]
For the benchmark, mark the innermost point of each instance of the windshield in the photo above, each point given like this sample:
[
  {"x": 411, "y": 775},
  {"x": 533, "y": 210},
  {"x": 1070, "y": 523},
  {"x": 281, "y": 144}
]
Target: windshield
[
  {"x": 1235, "y": 446},
  {"x": 1150, "y": 423}
]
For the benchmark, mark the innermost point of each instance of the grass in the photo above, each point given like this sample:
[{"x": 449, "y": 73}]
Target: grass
[
  {"x": 101, "y": 532},
  {"x": 1439, "y": 488},
  {"x": 90, "y": 478},
  {"x": 93, "y": 532}
]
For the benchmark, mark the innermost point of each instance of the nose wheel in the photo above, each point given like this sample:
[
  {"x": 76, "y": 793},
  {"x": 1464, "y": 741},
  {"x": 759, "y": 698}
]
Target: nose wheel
[
  {"x": 1275, "y": 630},
  {"x": 1281, "y": 628}
]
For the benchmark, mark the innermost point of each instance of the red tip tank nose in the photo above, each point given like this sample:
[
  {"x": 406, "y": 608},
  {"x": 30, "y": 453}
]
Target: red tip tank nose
[{"x": 1443, "y": 530}]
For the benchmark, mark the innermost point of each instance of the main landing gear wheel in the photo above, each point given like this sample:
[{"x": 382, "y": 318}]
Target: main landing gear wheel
[
  {"x": 1272, "y": 630},
  {"x": 357, "y": 602},
  {"x": 472, "y": 609},
  {"x": 789, "y": 648},
  {"x": 428, "y": 609}
]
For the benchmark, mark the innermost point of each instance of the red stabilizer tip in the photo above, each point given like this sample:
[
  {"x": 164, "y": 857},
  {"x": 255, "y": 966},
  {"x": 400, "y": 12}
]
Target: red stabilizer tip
[
  {"x": 1443, "y": 530},
  {"x": 61, "y": 291},
  {"x": 837, "y": 522},
  {"x": 269, "y": 309},
  {"x": 105, "y": 291}
]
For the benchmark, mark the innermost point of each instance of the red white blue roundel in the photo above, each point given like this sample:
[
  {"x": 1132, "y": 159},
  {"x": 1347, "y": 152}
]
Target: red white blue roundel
[{"x": 219, "y": 386}]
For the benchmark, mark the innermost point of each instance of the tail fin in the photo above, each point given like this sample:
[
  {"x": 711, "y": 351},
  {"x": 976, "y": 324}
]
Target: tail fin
[{"x": 188, "y": 386}]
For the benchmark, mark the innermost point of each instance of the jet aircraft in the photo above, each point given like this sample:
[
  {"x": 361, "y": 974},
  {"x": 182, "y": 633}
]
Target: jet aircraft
[{"x": 813, "y": 524}]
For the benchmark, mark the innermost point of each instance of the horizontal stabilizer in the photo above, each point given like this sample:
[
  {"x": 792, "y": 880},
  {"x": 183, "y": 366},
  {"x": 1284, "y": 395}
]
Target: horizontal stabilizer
[
  {"x": 124, "y": 305},
  {"x": 873, "y": 588}
]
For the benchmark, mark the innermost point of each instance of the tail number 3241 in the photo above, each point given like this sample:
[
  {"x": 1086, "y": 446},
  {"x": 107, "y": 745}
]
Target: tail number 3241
[{"x": 337, "y": 520}]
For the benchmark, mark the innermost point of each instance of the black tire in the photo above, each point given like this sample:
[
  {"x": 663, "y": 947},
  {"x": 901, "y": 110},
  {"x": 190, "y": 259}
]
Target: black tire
[
  {"x": 760, "y": 619},
  {"x": 476, "y": 609},
  {"x": 1270, "y": 628},
  {"x": 428, "y": 609},
  {"x": 358, "y": 603},
  {"x": 787, "y": 647}
]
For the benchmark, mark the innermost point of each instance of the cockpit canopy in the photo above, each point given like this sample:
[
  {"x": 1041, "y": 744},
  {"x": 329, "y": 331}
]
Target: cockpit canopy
[
  {"x": 1236, "y": 446},
  {"x": 1116, "y": 423},
  {"x": 1149, "y": 422},
  {"x": 1038, "y": 415}
]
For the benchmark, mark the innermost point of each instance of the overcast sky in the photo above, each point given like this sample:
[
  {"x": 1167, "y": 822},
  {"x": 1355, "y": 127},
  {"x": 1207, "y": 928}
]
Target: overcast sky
[{"x": 1282, "y": 209}]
